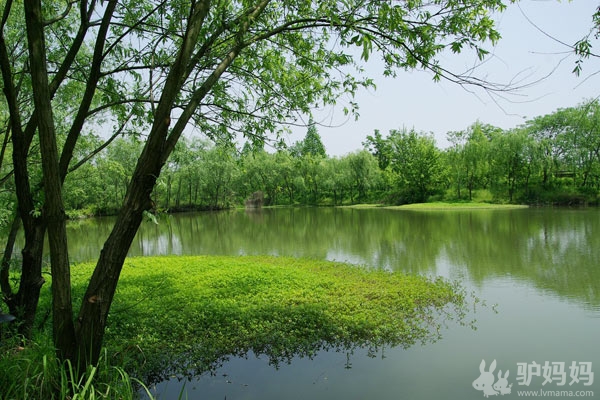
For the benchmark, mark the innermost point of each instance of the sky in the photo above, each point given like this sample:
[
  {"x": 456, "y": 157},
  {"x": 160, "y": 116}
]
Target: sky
[{"x": 527, "y": 53}]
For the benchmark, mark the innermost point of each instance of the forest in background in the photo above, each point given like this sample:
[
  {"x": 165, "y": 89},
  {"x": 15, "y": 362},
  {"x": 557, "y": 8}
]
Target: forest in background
[{"x": 551, "y": 159}]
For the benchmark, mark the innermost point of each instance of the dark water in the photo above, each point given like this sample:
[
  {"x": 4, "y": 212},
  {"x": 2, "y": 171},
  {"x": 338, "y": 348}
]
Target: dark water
[{"x": 540, "y": 267}]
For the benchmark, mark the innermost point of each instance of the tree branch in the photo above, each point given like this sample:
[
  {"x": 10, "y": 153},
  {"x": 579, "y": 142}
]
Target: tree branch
[
  {"x": 61, "y": 16},
  {"x": 90, "y": 90}
]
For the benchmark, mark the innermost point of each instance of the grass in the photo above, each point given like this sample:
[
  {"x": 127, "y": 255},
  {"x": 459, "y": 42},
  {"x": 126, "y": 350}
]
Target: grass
[
  {"x": 34, "y": 372},
  {"x": 186, "y": 315},
  {"x": 458, "y": 206},
  {"x": 439, "y": 205}
]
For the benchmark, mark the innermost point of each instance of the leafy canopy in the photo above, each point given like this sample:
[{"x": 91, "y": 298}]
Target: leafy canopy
[{"x": 293, "y": 56}]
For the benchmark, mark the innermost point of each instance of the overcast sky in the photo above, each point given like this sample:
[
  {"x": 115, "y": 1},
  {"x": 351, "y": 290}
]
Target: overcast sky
[{"x": 413, "y": 100}]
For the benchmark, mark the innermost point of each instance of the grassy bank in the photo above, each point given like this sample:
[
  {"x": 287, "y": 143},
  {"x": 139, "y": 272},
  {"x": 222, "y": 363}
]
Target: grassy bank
[
  {"x": 185, "y": 315},
  {"x": 444, "y": 206},
  {"x": 458, "y": 206}
]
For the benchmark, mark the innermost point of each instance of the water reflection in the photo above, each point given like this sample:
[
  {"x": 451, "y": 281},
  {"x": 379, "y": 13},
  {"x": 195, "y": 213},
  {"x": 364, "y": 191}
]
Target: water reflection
[
  {"x": 554, "y": 250},
  {"x": 540, "y": 266}
]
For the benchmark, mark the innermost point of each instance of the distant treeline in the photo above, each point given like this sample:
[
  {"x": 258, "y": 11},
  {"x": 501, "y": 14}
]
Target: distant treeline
[{"x": 552, "y": 159}]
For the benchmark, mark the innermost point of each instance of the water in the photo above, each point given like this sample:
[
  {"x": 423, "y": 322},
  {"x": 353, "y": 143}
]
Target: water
[{"x": 539, "y": 267}]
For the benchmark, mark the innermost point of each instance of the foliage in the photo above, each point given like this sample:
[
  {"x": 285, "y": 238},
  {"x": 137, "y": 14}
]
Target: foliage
[
  {"x": 191, "y": 313},
  {"x": 413, "y": 159},
  {"x": 34, "y": 372},
  {"x": 311, "y": 144},
  {"x": 583, "y": 47},
  {"x": 470, "y": 157},
  {"x": 380, "y": 148},
  {"x": 551, "y": 159}
]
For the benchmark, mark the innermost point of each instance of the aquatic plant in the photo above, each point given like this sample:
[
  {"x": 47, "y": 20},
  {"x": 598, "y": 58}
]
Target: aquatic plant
[{"x": 186, "y": 315}]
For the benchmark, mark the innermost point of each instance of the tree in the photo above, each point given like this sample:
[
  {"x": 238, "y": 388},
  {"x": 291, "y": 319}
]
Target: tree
[
  {"x": 184, "y": 168},
  {"x": 290, "y": 181},
  {"x": 380, "y": 148},
  {"x": 312, "y": 144},
  {"x": 216, "y": 176},
  {"x": 416, "y": 161},
  {"x": 157, "y": 67},
  {"x": 310, "y": 169},
  {"x": 337, "y": 179},
  {"x": 569, "y": 144},
  {"x": 363, "y": 173},
  {"x": 546, "y": 131},
  {"x": 509, "y": 162},
  {"x": 261, "y": 173},
  {"x": 471, "y": 151}
]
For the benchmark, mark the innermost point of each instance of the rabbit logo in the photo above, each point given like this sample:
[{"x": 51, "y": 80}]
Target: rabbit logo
[
  {"x": 485, "y": 382},
  {"x": 501, "y": 384}
]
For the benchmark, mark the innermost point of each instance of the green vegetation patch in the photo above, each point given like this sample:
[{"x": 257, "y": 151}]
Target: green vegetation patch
[
  {"x": 440, "y": 205},
  {"x": 34, "y": 372},
  {"x": 185, "y": 315},
  {"x": 456, "y": 206}
]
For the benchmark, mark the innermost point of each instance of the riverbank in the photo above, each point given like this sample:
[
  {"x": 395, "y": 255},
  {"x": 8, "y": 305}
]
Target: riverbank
[
  {"x": 432, "y": 206},
  {"x": 184, "y": 316},
  {"x": 87, "y": 213},
  {"x": 443, "y": 206}
]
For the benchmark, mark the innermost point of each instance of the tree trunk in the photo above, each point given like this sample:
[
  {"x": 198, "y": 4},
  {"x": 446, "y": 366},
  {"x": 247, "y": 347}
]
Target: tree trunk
[
  {"x": 178, "y": 196},
  {"x": 92, "y": 318},
  {"x": 91, "y": 322},
  {"x": 26, "y": 300},
  {"x": 24, "y": 303},
  {"x": 7, "y": 293},
  {"x": 168, "y": 205},
  {"x": 190, "y": 189},
  {"x": 54, "y": 213}
]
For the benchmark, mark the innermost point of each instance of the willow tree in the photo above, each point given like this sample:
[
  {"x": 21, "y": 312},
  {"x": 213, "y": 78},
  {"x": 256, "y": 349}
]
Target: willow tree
[{"x": 155, "y": 68}]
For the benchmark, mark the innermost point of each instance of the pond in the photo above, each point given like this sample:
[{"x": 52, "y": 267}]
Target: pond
[{"x": 537, "y": 269}]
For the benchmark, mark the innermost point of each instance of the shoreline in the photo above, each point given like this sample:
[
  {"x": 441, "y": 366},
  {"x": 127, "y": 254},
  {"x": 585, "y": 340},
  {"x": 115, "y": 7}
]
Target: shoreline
[{"x": 442, "y": 206}]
